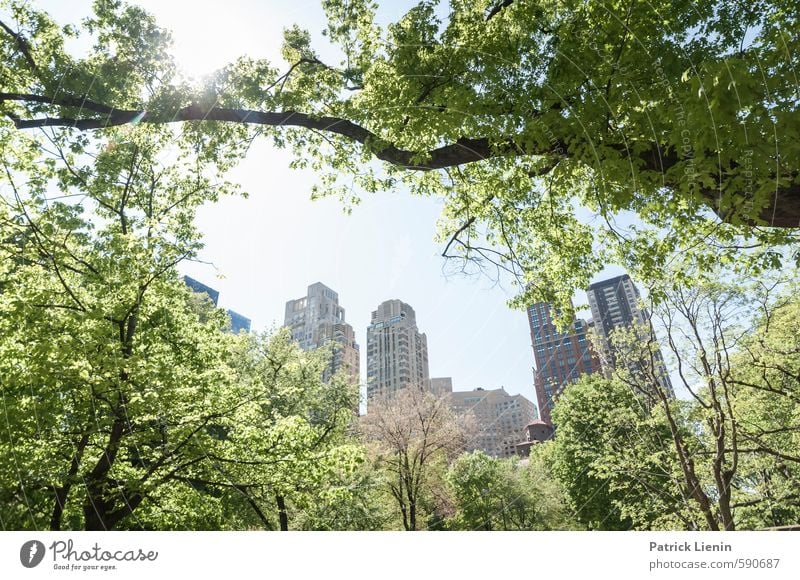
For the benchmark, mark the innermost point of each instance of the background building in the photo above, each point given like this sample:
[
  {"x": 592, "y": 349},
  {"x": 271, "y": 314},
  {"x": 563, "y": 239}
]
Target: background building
[
  {"x": 397, "y": 353},
  {"x": 316, "y": 320},
  {"x": 560, "y": 357},
  {"x": 615, "y": 305},
  {"x": 238, "y": 322},
  {"x": 535, "y": 432},
  {"x": 500, "y": 419},
  {"x": 441, "y": 385},
  {"x": 202, "y": 288}
]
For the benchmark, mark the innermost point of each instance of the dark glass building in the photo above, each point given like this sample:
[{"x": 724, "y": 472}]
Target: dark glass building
[
  {"x": 238, "y": 322},
  {"x": 202, "y": 288}
]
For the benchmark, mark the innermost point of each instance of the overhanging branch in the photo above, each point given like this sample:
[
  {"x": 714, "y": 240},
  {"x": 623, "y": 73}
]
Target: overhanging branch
[{"x": 783, "y": 211}]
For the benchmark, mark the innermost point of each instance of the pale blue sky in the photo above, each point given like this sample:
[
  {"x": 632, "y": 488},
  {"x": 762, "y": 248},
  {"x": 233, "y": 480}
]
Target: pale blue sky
[{"x": 268, "y": 248}]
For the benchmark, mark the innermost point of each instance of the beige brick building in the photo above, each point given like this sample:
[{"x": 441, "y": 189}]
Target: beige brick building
[
  {"x": 397, "y": 352},
  {"x": 317, "y": 320},
  {"x": 500, "y": 418}
]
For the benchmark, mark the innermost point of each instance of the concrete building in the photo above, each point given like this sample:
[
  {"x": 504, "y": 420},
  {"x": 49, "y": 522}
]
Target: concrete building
[
  {"x": 560, "y": 357},
  {"x": 397, "y": 353},
  {"x": 615, "y": 305},
  {"x": 500, "y": 418},
  {"x": 441, "y": 385},
  {"x": 316, "y": 320}
]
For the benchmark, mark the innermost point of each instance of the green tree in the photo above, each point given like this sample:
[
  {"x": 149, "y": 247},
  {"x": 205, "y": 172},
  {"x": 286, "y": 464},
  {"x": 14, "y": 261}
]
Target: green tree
[
  {"x": 111, "y": 383},
  {"x": 505, "y": 494},
  {"x": 766, "y": 370},
  {"x": 726, "y": 457},
  {"x": 616, "y": 459},
  {"x": 710, "y": 329},
  {"x": 126, "y": 403},
  {"x": 522, "y": 116},
  {"x": 288, "y": 452},
  {"x": 480, "y": 487}
]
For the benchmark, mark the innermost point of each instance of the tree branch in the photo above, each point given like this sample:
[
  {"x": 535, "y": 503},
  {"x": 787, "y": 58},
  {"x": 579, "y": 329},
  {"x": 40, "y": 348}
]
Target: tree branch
[
  {"x": 497, "y": 8},
  {"x": 22, "y": 46}
]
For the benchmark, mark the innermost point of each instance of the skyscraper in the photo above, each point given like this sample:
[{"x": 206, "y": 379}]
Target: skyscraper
[
  {"x": 560, "y": 357},
  {"x": 397, "y": 353},
  {"x": 615, "y": 305},
  {"x": 317, "y": 320}
]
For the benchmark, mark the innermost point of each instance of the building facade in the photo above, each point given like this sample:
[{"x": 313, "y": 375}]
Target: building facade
[
  {"x": 615, "y": 305},
  {"x": 316, "y": 320},
  {"x": 397, "y": 352},
  {"x": 441, "y": 385},
  {"x": 560, "y": 357},
  {"x": 500, "y": 419}
]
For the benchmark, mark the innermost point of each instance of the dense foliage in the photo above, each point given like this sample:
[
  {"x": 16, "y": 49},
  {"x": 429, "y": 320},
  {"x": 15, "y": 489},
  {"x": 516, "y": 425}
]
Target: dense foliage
[
  {"x": 507, "y": 494},
  {"x": 543, "y": 125},
  {"x": 127, "y": 404}
]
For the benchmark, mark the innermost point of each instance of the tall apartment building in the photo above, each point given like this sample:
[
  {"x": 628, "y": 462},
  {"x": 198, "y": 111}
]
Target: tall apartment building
[
  {"x": 397, "y": 352},
  {"x": 560, "y": 357},
  {"x": 615, "y": 305},
  {"x": 500, "y": 419},
  {"x": 316, "y": 320}
]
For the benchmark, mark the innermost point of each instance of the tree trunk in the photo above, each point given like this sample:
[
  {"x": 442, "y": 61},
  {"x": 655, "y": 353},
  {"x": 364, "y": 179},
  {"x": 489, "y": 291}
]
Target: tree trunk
[
  {"x": 687, "y": 467},
  {"x": 62, "y": 493},
  {"x": 282, "y": 515}
]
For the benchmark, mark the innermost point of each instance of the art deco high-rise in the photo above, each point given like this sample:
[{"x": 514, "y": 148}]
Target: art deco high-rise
[
  {"x": 615, "y": 305},
  {"x": 560, "y": 357},
  {"x": 397, "y": 353},
  {"x": 316, "y": 320}
]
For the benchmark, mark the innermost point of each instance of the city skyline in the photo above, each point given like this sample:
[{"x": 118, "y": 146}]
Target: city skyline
[
  {"x": 360, "y": 337},
  {"x": 264, "y": 249}
]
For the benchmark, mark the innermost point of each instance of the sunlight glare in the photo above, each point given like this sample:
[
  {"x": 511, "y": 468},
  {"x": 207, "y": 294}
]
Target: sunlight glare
[{"x": 207, "y": 36}]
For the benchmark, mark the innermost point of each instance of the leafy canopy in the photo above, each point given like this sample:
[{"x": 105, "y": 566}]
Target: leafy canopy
[{"x": 544, "y": 126}]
